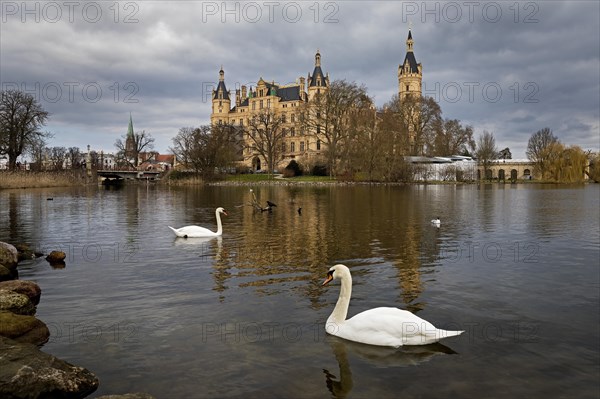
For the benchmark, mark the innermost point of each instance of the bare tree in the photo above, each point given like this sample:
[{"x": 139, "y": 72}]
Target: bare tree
[
  {"x": 207, "y": 148},
  {"x": 21, "y": 118},
  {"x": 395, "y": 144},
  {"x": 594, "y": 167},
  {"x": 37, "y": 151},
  {"x": 328, "y": 117},
  {"x": 75, "y": 157},
  {"x": 57, "y": 157},
  {"x": 420, "y": 117},
  {"x": 486, "y": 150},
  {"x": 142, "y": 141},
  {"x": 538, "y": 148},
  {"x": 265, "y": 135},
  {"x": 452, "y": 138},
  {"x": 369, "y": 147}
]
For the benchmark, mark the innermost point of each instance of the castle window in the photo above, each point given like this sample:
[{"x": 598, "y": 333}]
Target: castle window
[
  {"x": 241, "y": 122},
  {"x": 407, "y": 88},
  {"x": 282, "y": 147},
  {"x": 269, "y": 103},
  {"x": 283, "y": 118},
  {"x": 253, "y": 105},
  {"x": 261, "y": 104},
  {"x": 292, "y": 131},
  {"x": 302, "y": 146},
  {"x": 293, "y": 117},
  {"x": 292, "y": 147}
]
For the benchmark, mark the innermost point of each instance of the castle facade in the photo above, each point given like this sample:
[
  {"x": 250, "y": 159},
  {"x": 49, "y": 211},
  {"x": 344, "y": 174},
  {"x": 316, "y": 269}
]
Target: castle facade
[{"x": 284, "y": 102}]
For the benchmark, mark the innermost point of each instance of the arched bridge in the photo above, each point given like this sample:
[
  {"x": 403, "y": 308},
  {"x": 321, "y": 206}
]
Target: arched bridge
[{"x": 128, "y": 174}]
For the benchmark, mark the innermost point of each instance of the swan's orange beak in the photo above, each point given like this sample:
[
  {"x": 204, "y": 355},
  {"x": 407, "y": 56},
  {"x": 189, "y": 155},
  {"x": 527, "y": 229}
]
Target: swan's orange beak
[
  {"x": 328, "y": 279},
  {"x": 225, "y": 212}
]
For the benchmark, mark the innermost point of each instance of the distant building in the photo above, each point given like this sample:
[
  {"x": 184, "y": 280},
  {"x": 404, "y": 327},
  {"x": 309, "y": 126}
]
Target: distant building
[
  {"x": 153, "y": 161},
  {"x": 508, "y": 169}
]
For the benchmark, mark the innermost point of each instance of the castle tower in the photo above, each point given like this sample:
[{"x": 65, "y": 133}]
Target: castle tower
[
  {"x": 409, "y": 72},
  {"x": 221, "y": 103},
  {"x": 318, "y": 82}
]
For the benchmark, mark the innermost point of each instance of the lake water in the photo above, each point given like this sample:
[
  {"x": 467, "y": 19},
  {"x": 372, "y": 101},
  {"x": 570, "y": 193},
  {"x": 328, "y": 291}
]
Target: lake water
[{"x": 516, "y": 266}]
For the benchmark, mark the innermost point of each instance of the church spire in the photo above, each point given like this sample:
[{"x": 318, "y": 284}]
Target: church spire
[
  {"x": 130, "y": 140},
  {"x": 130, "y": 127}
]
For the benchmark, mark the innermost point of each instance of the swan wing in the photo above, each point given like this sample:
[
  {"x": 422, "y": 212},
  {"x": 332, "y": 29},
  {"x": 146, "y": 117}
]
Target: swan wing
[
  {"x": 193, "y": 231},
  {"x": 388, "y": 326}
]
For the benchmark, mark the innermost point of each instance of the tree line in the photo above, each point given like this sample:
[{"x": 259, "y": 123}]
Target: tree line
[
  {"x": 21, "y": 120},
  {"x": 357, "y": 138}
]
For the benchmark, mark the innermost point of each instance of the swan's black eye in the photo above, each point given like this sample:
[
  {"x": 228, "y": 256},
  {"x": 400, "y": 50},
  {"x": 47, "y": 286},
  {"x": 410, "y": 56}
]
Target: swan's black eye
[{"x": 330, "y": 273}]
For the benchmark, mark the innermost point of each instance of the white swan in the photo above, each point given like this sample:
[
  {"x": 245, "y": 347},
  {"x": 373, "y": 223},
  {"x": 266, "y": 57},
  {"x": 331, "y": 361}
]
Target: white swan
[
  {"x": 197, "y": 231},
  {"x": 436, "y": 222},
  {"x": 378, "y": 326}
]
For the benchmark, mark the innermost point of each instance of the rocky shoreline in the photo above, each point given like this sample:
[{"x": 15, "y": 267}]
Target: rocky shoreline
[{"x": 25, "y": 370}]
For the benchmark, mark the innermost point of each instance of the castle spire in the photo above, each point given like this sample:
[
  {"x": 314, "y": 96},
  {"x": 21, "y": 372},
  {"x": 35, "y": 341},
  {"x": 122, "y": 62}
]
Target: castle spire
[
  {"x": 318, "y": 59},
  {"x": 221, "y": 92}
]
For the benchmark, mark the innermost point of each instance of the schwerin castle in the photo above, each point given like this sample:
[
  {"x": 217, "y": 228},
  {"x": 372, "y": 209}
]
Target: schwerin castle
[{"x": 285, "y": 102}]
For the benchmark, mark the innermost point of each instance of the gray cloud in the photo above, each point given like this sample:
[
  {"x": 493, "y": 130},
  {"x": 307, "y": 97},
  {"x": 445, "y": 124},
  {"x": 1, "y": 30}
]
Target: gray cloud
[{"x": 509, "y": 68}]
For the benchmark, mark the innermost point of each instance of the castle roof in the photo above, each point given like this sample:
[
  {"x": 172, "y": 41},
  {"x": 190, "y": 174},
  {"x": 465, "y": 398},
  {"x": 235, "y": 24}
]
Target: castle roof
[
  {"x": 221, "y": 87},
  {"x": 412, "y": 63},
  {"x": 314, "y": 82},
  {"x": 290, "y": 93}
]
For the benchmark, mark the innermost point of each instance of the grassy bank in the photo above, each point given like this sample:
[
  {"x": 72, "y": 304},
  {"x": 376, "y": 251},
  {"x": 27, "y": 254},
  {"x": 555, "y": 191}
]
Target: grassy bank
[
  {"x": 261, "y": 177},
  {"x": 28, "y": 179}
]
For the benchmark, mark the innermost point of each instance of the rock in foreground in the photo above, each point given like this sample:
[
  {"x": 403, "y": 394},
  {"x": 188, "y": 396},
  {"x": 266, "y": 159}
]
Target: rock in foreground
[
  {"x": 8, "y": 255},
  {"x": 24, "y": 329},
  {"x": 27, "y": 372},
  {"x": 29, "y": 288},
  {"x": 17, "y": 303}
]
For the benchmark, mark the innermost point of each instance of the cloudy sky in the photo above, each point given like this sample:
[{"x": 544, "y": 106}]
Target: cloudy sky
[{"x": 507, "y": 67}]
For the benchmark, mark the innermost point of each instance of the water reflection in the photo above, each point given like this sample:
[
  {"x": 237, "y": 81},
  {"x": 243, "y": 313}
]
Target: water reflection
[
  {"x": 125, "y": 265},
  {"x": 375, "y": 356}
]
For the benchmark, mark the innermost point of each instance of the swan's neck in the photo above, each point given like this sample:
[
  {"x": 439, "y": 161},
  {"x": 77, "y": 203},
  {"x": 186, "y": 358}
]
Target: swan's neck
[
  {"x": 219, "y": 225},
  {"x": 341, "y": 307}
]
